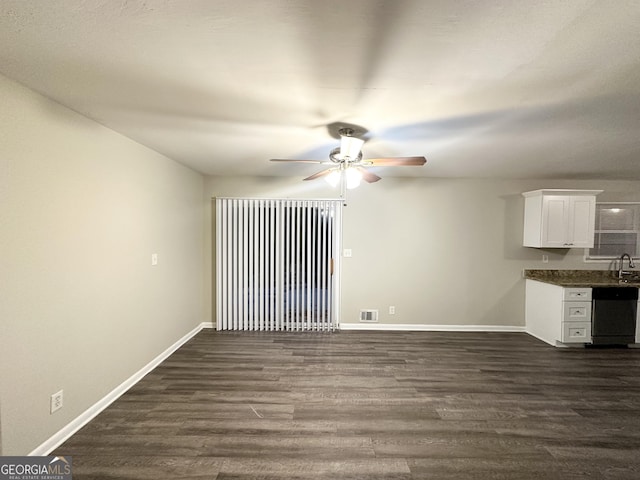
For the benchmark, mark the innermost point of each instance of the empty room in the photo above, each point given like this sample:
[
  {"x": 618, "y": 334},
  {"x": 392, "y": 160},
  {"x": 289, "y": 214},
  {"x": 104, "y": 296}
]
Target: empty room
[{"x": 286, "y": 239}]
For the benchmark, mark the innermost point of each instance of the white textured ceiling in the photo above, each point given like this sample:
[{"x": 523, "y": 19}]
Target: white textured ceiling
[{"x": 482, "y": 88}]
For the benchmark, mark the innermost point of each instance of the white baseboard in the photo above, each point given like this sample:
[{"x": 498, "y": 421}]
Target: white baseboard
[
  {"x": 553, "y": 344},
  {"x": 409, "y": 327},
  {"x": 62, "y": 435}
]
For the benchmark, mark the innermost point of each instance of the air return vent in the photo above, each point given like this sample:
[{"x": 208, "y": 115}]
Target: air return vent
[{"x": 368, "y": 315}]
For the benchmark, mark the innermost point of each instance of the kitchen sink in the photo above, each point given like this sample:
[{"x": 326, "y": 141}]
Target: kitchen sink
[{"x": 632, "y": 279}]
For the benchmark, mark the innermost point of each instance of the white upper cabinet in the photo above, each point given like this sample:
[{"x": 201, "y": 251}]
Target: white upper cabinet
[{"x": 559, "y": 218}]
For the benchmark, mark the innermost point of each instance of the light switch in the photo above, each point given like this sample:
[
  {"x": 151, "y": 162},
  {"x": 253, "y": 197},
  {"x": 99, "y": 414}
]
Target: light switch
[
  {"x": 154, "y": 259},
  {"x": 347, "y": 253}
]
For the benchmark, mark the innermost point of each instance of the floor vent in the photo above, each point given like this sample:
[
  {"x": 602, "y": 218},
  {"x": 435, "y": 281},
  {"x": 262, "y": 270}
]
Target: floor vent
[{"x": 368, "y": 315}]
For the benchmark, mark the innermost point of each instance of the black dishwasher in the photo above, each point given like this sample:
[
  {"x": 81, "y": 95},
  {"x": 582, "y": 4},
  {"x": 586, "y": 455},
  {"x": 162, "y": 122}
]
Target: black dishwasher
[{"x": 613, "y": 318}]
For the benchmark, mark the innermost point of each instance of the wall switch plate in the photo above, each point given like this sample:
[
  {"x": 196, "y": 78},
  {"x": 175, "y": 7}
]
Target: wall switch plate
[
  {"x": 545, "y": 258},
  {"x": 347, "y": 253},
  {"x": 154, "y": 259},
  {"x": 56, "y": 401},
  {"x": 392, "y": 310}
]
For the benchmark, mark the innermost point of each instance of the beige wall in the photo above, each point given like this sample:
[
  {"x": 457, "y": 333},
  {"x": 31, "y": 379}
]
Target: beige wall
[
  {"x": 442, "y": 251},
  {"x": 82, "y": 209}
]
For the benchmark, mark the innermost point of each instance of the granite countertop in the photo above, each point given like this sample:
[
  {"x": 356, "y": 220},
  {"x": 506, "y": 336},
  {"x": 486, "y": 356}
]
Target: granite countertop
[{"x": 583, "y": 278}]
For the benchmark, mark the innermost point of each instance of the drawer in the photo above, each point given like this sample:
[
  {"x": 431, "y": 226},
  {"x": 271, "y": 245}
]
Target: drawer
[
  {"x": 577, "y": 294},
  {"x": 576, "y": 311},
  {"x": 576, "y": 332}
]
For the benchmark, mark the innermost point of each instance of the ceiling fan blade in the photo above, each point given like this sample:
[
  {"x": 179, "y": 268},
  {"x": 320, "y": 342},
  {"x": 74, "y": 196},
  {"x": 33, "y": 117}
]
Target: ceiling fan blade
[
  {"x": 367, "y": 176},
  {"x": 320, "y": 174},
  {"x": 395, "y": 161},
  {"x": 298, "y": 161}
]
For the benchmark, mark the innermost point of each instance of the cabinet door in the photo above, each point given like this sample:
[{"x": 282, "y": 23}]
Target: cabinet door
[
  {"x": 559, "y": 218},
  {"x": 581, "y": 221},
  {"x": 555, "y": 219}
]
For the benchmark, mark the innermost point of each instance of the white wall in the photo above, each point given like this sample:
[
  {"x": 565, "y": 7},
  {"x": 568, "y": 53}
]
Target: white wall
[
  {"x": 82, "y": 209},
  {"x": 442, "y": 251}
]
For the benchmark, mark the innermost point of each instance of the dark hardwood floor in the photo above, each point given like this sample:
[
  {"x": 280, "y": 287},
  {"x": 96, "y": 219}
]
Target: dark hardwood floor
[{"x": 371, "y": 405}]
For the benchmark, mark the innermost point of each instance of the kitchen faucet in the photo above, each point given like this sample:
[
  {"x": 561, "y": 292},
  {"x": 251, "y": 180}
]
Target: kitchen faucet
[{"x": 621, "y": 271}]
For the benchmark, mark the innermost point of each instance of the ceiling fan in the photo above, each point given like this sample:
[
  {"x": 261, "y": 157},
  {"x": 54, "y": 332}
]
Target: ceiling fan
[{"x": 346, "y": 162}]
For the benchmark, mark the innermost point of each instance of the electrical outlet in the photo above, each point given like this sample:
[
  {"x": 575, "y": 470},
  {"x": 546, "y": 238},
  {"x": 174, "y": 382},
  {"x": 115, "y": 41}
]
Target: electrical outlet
[
  {"x": 56, "y": 401},
  {"x": 545, "y": 258},
  {"x": 392, "y": 310}
]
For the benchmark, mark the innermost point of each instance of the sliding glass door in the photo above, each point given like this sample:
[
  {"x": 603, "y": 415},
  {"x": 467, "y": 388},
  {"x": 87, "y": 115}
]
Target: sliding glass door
[{"x": 277, "y": 264}]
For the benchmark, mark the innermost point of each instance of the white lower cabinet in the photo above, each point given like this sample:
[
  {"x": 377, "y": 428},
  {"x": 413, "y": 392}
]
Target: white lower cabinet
[
  {"x": 558, "y": 315},
  {"x": 576, "y": 315}
]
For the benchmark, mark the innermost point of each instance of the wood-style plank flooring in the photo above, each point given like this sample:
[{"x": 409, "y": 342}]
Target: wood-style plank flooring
[{"x": 371, "y": 405}]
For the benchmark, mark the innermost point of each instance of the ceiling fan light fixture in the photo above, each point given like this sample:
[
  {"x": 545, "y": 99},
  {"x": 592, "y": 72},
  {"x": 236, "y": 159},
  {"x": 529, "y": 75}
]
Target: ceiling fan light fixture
[
  {"x": 350, "y": 147},
  {"x": 353, "y": 177},
  {"x": 333, "y": 178}
]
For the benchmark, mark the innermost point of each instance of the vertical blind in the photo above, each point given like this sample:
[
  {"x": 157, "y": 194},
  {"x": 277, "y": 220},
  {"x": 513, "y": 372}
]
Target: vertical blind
[{"x": 277, "y": 263}]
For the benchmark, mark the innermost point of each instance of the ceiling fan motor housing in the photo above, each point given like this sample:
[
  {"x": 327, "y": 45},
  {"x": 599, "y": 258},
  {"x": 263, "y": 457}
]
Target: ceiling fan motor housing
[
  {"x": 346, "y": 132},
  {"x": 335, "y": 157}
]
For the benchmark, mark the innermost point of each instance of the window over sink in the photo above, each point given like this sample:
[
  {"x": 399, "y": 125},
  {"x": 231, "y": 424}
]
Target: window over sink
[{"x": 617, "y": 231}]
